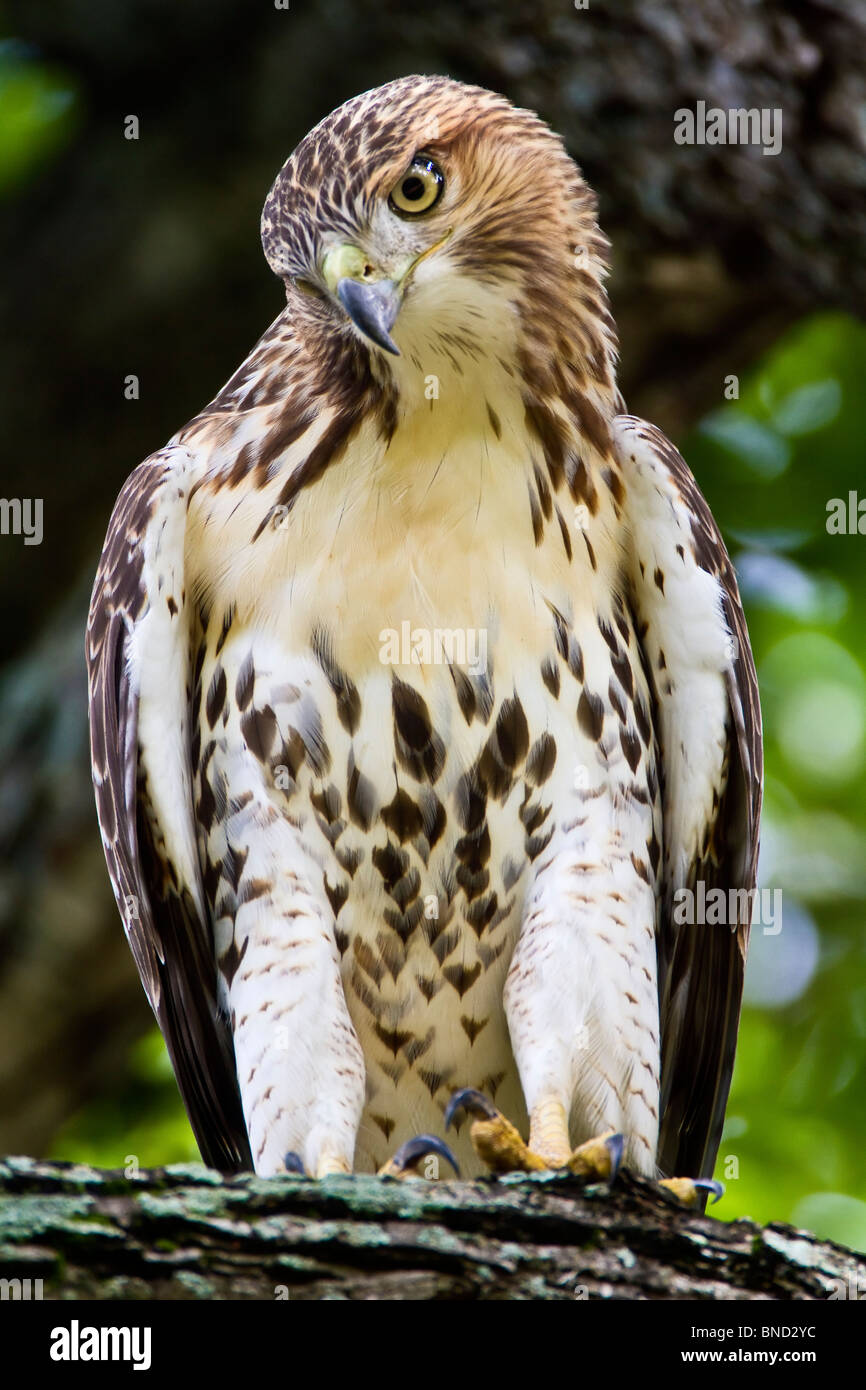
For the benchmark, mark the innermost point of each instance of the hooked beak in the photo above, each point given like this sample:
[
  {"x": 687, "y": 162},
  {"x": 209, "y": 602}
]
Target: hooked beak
[
  {"x": 372, "y": 304},
  {"x": 372, "y": 308},
  {"x": 372, "y": 300}
]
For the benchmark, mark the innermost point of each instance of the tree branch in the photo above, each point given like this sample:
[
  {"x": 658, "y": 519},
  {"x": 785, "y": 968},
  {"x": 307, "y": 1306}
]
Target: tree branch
[{"x": 185, "y": 1233}]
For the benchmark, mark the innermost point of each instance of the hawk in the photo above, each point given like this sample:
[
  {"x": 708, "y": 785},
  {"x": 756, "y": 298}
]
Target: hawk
[{"x": 421, "y": 691}]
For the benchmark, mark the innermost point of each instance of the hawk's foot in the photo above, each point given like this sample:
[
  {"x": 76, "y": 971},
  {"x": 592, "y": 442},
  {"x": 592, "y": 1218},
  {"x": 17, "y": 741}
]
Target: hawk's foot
[
  {"x": 404, "y": 1163},
  {"x": 690, "y": 1192},
  {"x": 329, "y": 1163},
  {"x": 501, "y": 1149},
  {"x": 495, "y": 1139}
]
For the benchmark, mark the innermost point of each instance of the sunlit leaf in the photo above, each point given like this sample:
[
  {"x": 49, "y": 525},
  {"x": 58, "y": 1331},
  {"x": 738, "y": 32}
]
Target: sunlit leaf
[
  {"x": 758, "y": 446},
  {"x": 39, "y": 111},
  {"x": 809, "y": 408}
]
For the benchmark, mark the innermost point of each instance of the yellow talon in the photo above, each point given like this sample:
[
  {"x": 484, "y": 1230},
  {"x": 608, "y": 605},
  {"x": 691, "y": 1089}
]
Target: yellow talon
[
  {"x": 690, "y": 1191},
  {"x": 402, "y": 1163},
  {"x": 500, "y": 1147},
  {"x": 598, "y": 1158}
]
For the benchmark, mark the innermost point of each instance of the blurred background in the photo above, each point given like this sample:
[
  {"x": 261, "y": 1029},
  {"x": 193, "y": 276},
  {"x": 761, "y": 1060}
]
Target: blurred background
[{"x": 739, "y": 284}]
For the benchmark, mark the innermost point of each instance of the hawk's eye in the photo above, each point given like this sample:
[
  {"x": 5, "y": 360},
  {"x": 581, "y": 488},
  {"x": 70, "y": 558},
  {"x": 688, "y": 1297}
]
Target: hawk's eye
[{"x": 419, "y": 189}]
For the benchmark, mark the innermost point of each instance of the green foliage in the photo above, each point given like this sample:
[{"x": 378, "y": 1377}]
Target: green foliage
[
  {"x": 771, "y": 464},
  {"x": 143, "y": 1122},
  {"x": 39, "y": 113}
]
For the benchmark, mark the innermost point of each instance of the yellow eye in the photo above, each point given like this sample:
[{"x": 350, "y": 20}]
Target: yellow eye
[{"x": 419, "y": 189}]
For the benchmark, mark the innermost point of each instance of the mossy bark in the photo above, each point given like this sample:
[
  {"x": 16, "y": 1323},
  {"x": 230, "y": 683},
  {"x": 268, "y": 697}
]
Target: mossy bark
[{"x": 185, "y": 1233}]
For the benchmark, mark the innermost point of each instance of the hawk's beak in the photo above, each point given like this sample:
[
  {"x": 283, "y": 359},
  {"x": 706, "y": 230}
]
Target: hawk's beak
[
  {"x": 372, "y": 305},
  {"x": 372, "y": 308}
]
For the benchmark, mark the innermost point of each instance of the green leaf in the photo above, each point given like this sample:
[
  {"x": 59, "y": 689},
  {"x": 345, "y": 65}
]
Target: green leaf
[
  {"x": 39, "y": 111},
  {"x": 808, "y": 408},
  {"x": 758, "y": 446}
]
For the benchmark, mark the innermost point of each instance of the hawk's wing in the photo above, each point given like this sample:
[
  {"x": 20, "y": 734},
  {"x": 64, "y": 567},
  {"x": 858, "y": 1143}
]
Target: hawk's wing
[
  {"x": 138, "y": 655},
  {"x": 708, "y": 721}
]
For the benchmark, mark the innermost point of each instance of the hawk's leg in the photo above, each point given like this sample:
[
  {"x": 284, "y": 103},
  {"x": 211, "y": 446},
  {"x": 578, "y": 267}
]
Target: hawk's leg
[
  {"x": 300, "y": 1066},
  {"x": 581, "y": 996}
]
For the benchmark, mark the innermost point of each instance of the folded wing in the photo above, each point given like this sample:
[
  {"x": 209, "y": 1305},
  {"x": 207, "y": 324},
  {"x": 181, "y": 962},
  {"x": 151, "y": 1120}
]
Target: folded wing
[
  {"x": 139, "y": 667},
  {"x": 696, "y": 647}
]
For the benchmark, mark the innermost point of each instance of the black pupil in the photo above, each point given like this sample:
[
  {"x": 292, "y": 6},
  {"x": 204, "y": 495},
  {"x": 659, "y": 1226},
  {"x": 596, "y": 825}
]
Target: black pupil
[{"x": 413, "y": 188}]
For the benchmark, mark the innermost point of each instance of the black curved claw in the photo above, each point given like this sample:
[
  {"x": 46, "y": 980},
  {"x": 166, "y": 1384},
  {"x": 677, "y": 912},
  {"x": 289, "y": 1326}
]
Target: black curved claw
[
  {"x": 418, "y": 1147},
  {"x": 294, "y": 1164},
  {"x": 473, "y": 1101},
  {"x": 615, "y": 1143},
  {"x": 710, "y": 1185}
]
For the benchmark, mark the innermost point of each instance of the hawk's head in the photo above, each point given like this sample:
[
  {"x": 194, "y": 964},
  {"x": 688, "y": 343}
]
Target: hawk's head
[{"x": 432, "y": 219}]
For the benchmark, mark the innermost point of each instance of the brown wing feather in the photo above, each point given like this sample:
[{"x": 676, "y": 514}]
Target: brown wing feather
[
  {"x": 702, "y": 994},
  {"x": 170, "y": 942},
  {"x": 701, "y": 967}
]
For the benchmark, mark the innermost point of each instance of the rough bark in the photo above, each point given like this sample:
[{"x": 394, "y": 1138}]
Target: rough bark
[
  {"x": 183, "y": 1233},
  {"x": 143, "y": 257}
]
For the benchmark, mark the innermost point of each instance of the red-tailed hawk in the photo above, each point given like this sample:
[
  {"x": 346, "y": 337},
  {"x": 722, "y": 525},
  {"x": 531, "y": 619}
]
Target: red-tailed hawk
[{"x": 420, "y": 686}]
